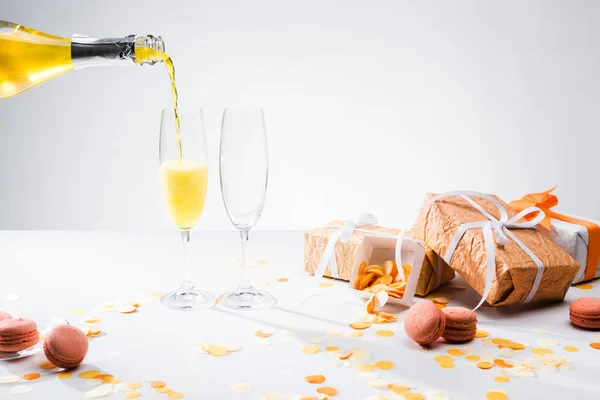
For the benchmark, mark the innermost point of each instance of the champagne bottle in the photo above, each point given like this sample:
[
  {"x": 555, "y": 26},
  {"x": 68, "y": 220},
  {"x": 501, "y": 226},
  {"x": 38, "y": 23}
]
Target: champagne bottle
[{"x": 29, "y": 58}]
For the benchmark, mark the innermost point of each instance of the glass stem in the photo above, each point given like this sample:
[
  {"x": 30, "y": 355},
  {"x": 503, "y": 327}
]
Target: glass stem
[
  {"x": 246, "y": 284},
  {"x": 187, "y": 283}
]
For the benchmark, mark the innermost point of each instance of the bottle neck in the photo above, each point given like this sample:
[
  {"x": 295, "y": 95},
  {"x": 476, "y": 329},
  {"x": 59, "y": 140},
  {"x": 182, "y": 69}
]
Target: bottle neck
[{"x": 91, "y": 52}]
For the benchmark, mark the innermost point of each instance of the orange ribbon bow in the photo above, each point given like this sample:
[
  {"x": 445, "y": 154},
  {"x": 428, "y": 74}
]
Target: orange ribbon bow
[{"x": 545, "y": 201}]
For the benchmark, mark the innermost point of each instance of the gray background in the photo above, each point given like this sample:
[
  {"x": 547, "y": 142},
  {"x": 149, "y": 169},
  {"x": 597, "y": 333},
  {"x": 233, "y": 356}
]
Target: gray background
[{"x": 368, "y": 104}]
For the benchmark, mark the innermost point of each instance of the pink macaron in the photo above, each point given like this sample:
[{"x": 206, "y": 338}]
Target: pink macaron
[
  {"x": 424, "y": 323},
  {"x": 461, "y": 324},
  {"x": 585, "y": 313},
  {"x": 17, "y": 334},
  {"x": 4, "y": 315},
  {"x": 66, "y": 346}
]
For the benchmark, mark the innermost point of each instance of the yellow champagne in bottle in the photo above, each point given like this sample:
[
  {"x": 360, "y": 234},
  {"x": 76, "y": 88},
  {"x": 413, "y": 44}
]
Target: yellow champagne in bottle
[{"x": 29, "y": 58}]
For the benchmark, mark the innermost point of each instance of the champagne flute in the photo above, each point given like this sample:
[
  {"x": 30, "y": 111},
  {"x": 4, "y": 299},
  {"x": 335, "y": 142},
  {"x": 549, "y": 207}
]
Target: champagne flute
[
  {"x": 244, "y": 169},
  {"x": 184, "y": 176}
]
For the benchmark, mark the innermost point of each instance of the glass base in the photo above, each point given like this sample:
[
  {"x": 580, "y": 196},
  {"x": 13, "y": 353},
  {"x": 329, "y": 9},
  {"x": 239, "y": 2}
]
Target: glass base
[
  {"x": 247, "y": 298},
  {"x": 188, "y": 298}
]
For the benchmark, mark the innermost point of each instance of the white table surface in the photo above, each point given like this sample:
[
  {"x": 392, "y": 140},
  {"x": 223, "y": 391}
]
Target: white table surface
[{"x": 55, "y": 272}]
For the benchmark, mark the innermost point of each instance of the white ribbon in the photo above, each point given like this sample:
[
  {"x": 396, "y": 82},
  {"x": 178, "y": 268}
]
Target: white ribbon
[
  {"x": 344, "y": 233},
  {"x": 501, "y": 227}
]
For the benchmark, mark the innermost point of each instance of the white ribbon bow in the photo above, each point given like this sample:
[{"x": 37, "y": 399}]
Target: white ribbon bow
[{"x": 501, "y": 227}]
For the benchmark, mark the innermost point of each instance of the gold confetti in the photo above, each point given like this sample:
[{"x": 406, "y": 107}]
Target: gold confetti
[
  {"x": 571, "y": 349},
  {"x": 113, "y": 380},
  {"x": 217, "y": 350},
  {"x": 384, "y": 364},
  {"x": 364, "y": 367},
  {"x": 584, "y": 286},
  {"x": 326, "y": 284},
  {"x": 384, "y": 333},
  {"x": 262, "y": 334},
  {"x": 494, "y": 395},
  {"x": 473, "y": 358},
  {"x": 441, "y": 300},
  {"x": 414, "y": 396},
  {"x": 456, "y": 352},
  {"x": 31, "y": 376},
  {"x": 47, "y": 366},
  {"x": 94, "y": 330},
  {"x": 331, "y": 348},
  {"x": 499, "y": 341},
  {"x": 443, "y": 359},
  {"x": 90, "y": 374},
  {"x": 91, "y": 319},
  {"x": 132, "y": 394},
  {"x": 485, "y": 365},
  {"x": 64, "y": 374},
  {"x": 127, "y": 309},
  {"x": 595, "y": 346},
  {"x": 311, "y": 349},
  {"x": 164, "y": 389},
  {"x": 447, "y": 365},
  {"x": 282, "y": 280},
  {"x": 133, "y": 385},
  {"x": 398, "y": 389},
  {"x": 502, "y": 379},
  {"x": 541, "y": 351},
  {"x": 501, "y": 363},
  {"x": 175, "y": 395},
  {"x": 481, "y": 333},
  {"x": 357, "y": 334},
  {"x": 360, "y": 325},
  {"x": 157, "y": 384},
  {"x": 329, "y": 391},
  {"x": 314, "y": 379}
]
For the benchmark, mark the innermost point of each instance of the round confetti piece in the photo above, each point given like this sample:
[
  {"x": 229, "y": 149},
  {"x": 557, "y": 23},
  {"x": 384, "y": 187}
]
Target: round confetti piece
[
  {"x": 541, "y": 351},
  {"x": 384, "y": 333},
  {"x": 595, "y": 346},
  {"x": 414, "y": 396},
  {"x": 446, "y": 365},
  {"x": 133, "y": 385},
  {"x": 398, "y": 389},
  {"x": 485, "y": 365},
  {"x": 378, "y": 383},
  {"x": 175, "y": 395},
  {"x": 357, "y": 334},
  {"x": 500, "y": 341},
  {"x": 360, "y": 325},
  {"x": 443, "y": 359},
  {"x": 157, "y": 384},
  {"x": 571, "y": 349},
  {"x": 113, "y": 380},
  {"x": 329, "y": 391},
  {"x": 47, "y": 366},
  {"x": 31, "y": 376},
  {"x": 132, "y": 394},
  {"x": 515, "y": 346},
  {"x": 488, "y": 343},
  {"x": 473, "y": 358},
  {"x": 440, "y": 300},
  {"x": 311, "y": 349},
  {"x": 217, "y": 350},
  {"x": 496, "y": 395},
  {"x": 584, "y": 286},
  {"x": 21, "y": 389},
  {"x": 331, "y": 348},
  {"x": 502, "y": 379},
  {"x": 164, "y": 389},
  {"x": 5, "y": 380},
  {"x": 90, "y": 319},
  {"x": 456, "y": 352},
  {"x": 241, "y": 387},
  {"x": 129, "y": 309},
  {"x": 314, "y": 379},
  {"x": 502, "y": 364},
  {"x": 90, "y": 374},
  {"x": 360, "y": 355},
  {"x": 282, "y": 280},
  {"x": 384, "y": 365},
  {"x": 480, "y": 333},
  {"x": 326, "y": 284},
  {"x": 364, "y": 367},
  {"x": 262, "y": 334}
]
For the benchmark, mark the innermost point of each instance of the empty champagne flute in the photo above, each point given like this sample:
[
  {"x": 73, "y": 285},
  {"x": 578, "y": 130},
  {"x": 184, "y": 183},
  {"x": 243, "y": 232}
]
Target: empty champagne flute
[
  {"x": 184, "y": 176},
  {"x": 244, "y": 169}
]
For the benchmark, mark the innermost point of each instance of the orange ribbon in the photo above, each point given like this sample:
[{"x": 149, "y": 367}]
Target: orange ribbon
[{"x": 545, "y": 201}]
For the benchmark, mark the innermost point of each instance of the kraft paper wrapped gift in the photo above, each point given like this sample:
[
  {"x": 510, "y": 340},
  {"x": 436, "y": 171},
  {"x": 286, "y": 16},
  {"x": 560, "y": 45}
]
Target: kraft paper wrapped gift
[
  {"x": 499, "y": 253},
  {"x": 375, "y": 245},
  {"x": 578, "y": 237}
]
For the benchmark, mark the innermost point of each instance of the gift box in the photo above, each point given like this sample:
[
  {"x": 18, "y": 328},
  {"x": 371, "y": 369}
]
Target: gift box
[
  {"x": 373, "y": 244},
  {"x": 578, "y": 237},
  {"x": 499, "y": 253}
]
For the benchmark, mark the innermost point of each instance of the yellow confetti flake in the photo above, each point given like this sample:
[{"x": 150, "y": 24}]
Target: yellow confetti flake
[
  {"x": 326, "y": 284},
  {"x": 484, "y": 365},
  {"x": 77, "y": 312},
  {"x": 456, "y": 352},
  {"x": 31, "y": 376},
  {"x": 357, "y": 334},
  {"x": 175, "y": 395},
  {"x": 481, "y": 334},
  {"x": 414, "y": 396},
  {"x": 282, "y": 280},
  {"x": 127, "y": 309},
  {"x": 360, "y": 325},
  {"x": 133, "y": 385},
  {"x": 571, "y": 349},
  {"x": 331, "y": 348},
  {"x": 132, "y": 394},
  {"x": 329, "y": 391},
  {"x": 494, "y": 395},
  {"x": 515, "y": 346},
  {"x": 262, "y": 334},
  {"x": 47, "y": 366},
  {"x": 443, "y": 359},
  {"x": 217, "y": 350},
  {"x": 90, "y": 319},
  {"x": 315, "y": 379},
  {"x": 158, "y": 384},
  {"x": 384, "y": 333},
  {"x": 541, "y": 351},
  {"x": 64, "y": 374},
  {"x": 584, "y": 286},
  {"x": 595, "y": 346},
  {"x": 111, "y": 380},
  {"x": 502, "y": 379},
  {"x": 311, "y": 349},
  {"x": 447, "y": 365},
  {"x": 364, "y": 367},
  {"x": 440, "y": 305},
  {"x": 501, "y": 363},
  {"x": 384, "y": 365},
  {"x": 164, "y": 389},
  {"x": 398, "y": 389},
  {"x": 89, "y": 374},
  {"x": 473, "y": 358},
  {"x": 498, "y": 341}
]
